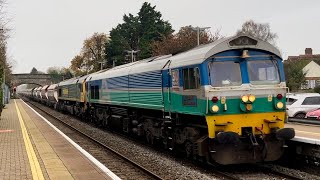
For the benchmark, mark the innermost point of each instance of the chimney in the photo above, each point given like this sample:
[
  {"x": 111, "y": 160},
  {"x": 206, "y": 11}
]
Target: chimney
[{"x": 308, "y": 51}]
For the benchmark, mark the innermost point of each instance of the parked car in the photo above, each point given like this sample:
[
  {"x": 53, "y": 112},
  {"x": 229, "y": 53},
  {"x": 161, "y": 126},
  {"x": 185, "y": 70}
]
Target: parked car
[
  {"x": 315, "y": 114},
  {"x": 299, "y": 104}
]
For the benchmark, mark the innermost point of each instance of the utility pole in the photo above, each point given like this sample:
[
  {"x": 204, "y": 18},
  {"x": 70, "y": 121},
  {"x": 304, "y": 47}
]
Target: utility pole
[
  {"x": 198, "y": 30},
  {"x": 132, "y": 53}
]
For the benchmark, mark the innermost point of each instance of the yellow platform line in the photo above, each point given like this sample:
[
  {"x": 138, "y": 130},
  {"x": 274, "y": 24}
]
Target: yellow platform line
[{"x": 33, "y": 160}]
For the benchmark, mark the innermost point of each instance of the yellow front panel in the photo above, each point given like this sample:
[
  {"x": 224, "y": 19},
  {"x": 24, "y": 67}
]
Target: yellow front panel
[
  {"x": 236, "y": 121},
  {"x": 82, "y": 97}
]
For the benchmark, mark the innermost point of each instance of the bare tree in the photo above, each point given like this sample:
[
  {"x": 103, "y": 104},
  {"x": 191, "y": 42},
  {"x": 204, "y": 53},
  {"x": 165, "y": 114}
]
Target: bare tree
[
  {"x": 182, "y": 41},
  {"x": 4, "y": 66},
  {"x": 91, "y": 55},
  {"x": 258, "y": 30}
]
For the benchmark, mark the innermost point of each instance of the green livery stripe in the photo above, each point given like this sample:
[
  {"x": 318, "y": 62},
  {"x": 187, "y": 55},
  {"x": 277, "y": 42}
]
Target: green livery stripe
[
  {"x": 180, "y": 104},
  {"x": 147, "y": 100},
  {"x": 260, "y": 105},
  {"x": 174, "y": 103}
]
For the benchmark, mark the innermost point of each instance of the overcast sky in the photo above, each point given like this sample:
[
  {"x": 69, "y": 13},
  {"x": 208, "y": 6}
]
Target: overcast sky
[{"x": 49, "y": 33}]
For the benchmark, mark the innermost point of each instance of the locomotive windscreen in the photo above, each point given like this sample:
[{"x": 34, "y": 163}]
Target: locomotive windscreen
[
  {"x": 263, "y": 72},
  {"x": 226, "y": 73}
]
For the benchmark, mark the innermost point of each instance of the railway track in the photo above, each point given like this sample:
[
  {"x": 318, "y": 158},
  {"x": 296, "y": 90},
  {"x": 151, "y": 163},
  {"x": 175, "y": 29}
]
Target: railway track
[
  {"x": 138, "y": 172},
  {"x": 255, "y": 171},
  {"x": 149, "y": 174},
  {"x": 271, "y": 169}
]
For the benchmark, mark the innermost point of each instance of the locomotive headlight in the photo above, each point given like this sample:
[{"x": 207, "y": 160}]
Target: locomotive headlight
[
  {"x": 245, "y": 98},
  {"x": 252, "y": 98},
  {"x": 215, "y": 108},
  {"x": 279, "y": 105}
]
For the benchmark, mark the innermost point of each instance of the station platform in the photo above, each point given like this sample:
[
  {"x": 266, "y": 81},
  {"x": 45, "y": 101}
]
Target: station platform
[
  {"x": 30, "y": 148},
  {"x": 305, "y": 133}
]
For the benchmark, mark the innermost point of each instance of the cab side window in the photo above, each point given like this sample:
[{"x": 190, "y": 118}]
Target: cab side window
[
  {"x": 191, "y": 78},
  {"x": 94, "y": 92}
]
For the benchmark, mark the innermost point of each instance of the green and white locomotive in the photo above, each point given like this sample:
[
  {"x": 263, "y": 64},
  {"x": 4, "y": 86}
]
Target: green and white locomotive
[{"x": 223, "y": 101}]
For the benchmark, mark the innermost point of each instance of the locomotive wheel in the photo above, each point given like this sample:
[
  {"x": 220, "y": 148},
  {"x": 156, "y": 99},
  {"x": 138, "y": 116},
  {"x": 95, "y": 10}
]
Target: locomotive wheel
[
  {"x": 149, "y": 137},
  {"x": 105, "y": 119},
  {"x": 188, "y": 146}
]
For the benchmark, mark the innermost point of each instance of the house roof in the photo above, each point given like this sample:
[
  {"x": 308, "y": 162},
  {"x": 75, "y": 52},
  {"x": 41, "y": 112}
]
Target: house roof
[{"x": 312, "y": 69}]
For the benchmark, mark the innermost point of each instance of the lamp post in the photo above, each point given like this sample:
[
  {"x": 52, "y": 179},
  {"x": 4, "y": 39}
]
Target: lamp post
[
  {"x": 132, "y": 52},
  {"x": 198, "y": 30},
  {"x": 114, "y": 62},
  {"x": 101, "y": 64}
]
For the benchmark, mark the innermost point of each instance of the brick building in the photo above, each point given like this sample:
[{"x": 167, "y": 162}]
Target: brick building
[
  {"x": 312, "y": 71},
  {"x": 307, "y": 56},
  {"x": 312, "y": 68}
]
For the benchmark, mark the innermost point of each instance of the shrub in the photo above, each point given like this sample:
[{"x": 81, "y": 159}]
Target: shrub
[{"x": 317, "y": 89}]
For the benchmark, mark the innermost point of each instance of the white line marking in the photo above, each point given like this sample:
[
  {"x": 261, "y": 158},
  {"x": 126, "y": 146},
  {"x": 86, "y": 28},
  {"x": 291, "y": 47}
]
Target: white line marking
[{"x": 306, "y": 140}]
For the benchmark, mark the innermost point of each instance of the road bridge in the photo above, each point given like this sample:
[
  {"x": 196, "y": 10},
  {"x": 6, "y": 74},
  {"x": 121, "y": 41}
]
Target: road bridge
[{"x": 38, "y": 79}]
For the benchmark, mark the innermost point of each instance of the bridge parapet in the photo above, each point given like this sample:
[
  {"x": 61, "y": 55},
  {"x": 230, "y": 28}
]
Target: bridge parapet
[{"x": 39, "y": 79}]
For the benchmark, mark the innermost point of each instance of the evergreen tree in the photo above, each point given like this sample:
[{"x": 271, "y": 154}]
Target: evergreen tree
[
  {"x": 34, "y": 71},
  {"x": 116, "y": 47},
  {"x": 295, "y": 77},
  {"x": 152, "y": 28},
  {"x": 137, "y": 33}
]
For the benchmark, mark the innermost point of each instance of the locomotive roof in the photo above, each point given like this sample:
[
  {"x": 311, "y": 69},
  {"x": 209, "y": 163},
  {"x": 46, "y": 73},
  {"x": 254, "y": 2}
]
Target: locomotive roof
[
  {"x": 74, "y": 80},
  {"x": 194, "y": 56},
  {"x": 82, "y": 78},
  {"x": 44, "y": 87},
  {"x": 52, "y": 86},
  {"x": 68, "y": 81}
]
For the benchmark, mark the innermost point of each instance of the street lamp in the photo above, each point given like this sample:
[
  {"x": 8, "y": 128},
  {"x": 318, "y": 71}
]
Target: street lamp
[
  {"x": 198, "y": 29},
  {"x": 114, "y": 62},
  {"x": 101, "y": 64},
  {"x": 132, "y": 52}
]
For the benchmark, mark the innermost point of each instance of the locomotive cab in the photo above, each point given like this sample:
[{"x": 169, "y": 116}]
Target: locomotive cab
[{"x": 246, "y": 104}]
